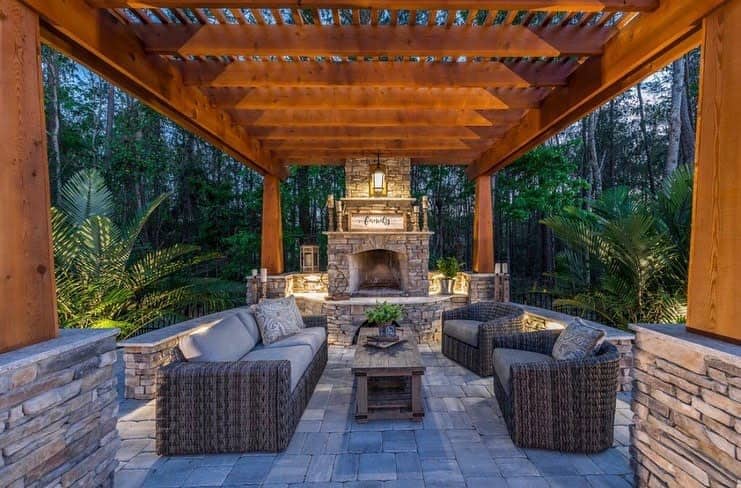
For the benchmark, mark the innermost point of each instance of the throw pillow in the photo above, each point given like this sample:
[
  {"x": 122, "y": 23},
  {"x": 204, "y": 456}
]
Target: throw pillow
[
  {"x": 577, "y": 341},
  {"x": 226, "y": 340},
  {"x": 277, "y": 319}
]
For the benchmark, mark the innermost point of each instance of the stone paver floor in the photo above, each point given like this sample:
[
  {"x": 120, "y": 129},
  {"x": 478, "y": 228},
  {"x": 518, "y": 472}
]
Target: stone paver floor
[{"x": 462, "y": 442}]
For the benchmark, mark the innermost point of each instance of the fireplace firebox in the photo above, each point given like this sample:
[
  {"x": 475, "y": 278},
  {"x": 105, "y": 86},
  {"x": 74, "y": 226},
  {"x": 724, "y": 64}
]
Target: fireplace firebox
[{"x": 377, "y": 272}]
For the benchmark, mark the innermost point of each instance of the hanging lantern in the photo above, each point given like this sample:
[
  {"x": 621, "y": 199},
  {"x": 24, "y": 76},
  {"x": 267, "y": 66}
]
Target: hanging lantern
[{"x": 378, "y": 179}]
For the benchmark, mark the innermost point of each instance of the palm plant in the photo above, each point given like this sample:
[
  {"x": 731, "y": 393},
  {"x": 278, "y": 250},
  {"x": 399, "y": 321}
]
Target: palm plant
[
  {"x": 104, "y": 280},
  {"x": 626, "y": 259}
]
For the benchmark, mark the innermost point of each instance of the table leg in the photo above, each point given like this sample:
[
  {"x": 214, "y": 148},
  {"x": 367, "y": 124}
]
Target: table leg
[
  {"x": 418, "y": 409},
  {"x": 361, "y": 398}
]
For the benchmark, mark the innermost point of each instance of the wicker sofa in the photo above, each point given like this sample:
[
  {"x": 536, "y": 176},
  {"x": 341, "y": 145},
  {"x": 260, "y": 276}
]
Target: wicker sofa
[
  {"x": 468, "y": 332},
  {"x": 564, "y": 405},
  {"x": 250, "y": 405}
]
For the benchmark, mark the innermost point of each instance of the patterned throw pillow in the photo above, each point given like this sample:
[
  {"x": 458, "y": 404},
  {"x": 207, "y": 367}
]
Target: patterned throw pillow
[
  {"x": 577, "y": 341},
  {"x": 277, "y": 318}
]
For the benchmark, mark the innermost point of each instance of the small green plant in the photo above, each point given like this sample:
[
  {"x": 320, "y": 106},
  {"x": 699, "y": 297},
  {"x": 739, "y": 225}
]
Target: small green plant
[
  {"x": 449, "y": 267},
  {"x": 384, "y": 313}
]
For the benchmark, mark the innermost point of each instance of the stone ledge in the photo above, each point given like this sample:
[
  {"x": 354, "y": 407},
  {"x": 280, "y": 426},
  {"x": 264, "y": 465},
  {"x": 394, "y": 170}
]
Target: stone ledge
[
  {"x": 68, "y": 340},
  {"x": 611, "y": 333},
  {"x": 703, "y": 344}
]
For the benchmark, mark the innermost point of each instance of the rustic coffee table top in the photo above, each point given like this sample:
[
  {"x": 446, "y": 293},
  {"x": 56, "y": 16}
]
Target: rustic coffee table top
[{"x": 400, "y": 356}]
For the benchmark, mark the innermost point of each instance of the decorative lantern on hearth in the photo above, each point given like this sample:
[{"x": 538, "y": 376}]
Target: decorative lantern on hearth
[
  {"x": 378, "y": 183},
  {"x": 309, "y": 258}
]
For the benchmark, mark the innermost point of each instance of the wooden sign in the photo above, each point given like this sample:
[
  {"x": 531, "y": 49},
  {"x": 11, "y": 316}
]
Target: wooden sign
[{"x": 378, "y": 222}]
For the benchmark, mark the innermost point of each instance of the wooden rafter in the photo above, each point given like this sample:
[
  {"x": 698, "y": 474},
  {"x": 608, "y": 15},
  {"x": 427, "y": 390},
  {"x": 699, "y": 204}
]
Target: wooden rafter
[
  {"x": 377, "y": 74},
  {"x": 365, "y": 145},
  {"x": 368, "y": 40},
  {"x": 345, "y": 132},
  {"x": 540, "y": 5},
  {"x": 643, "y": 46},
  {"x": 108, "y": 47},
  {"x": 345, "y": 97}
]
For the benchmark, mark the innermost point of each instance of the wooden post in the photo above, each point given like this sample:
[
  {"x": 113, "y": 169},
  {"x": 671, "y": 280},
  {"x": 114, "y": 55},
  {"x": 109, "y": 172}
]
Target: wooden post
[
  {"x": 28, "y": 312},
  {"x": 271, "y": 256},
  {"x": 483, "y": 227},
  {"x": 714, "y": 306}
]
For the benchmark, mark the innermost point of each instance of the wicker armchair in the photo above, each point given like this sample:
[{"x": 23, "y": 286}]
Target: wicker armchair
[
  {"x": 560, "y": 405},
  {"x": 496, "y": 318},
  {"x": 243, "y": 406}
]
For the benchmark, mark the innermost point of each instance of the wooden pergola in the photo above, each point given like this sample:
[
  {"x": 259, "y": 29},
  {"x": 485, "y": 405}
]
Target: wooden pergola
[{"x": 274, "y": 83}]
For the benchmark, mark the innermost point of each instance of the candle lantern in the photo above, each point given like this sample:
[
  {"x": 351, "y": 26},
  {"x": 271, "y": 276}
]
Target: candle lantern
[
  {"x": 425, "y": 220},
  {"x": 415, "y": 218},
  {"x": 330, "y": 213},
  {"x": 338, "y": 206},
  {"x": 309, "y": 258}
]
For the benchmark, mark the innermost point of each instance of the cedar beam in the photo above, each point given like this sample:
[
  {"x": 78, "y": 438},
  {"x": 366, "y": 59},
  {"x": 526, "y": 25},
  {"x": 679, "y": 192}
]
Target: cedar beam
[
  {"x": 264, "y": 98},
  {"x": 28, "y": 310},
  {"x": 492, "y": 74},
  {"x": 370, "y": 40},
  {"x": 483, "y": 227},
  {"x": 271, "y": 251},
  {"x": 641, "y": 48},
  {"x": 399, "y": 132},
  {"x": 541, "y": 5},
  {"x": 713, "y": 305},
  {"x": 97, "y": 40}
]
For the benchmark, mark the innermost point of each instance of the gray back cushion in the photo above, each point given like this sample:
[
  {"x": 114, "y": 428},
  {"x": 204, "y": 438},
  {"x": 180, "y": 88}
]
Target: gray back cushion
[
  {"x": 227, "y": 340},
  {"x": 249, "y": 321},
  {"x": 577, "y": 341}
]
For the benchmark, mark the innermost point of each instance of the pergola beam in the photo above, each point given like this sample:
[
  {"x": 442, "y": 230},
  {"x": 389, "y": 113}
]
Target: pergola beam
[
  {"x": 347, "y": 97},
  {"x": 400, "y": 132},
  {"x": 376, "y": 118},
  {"x": 644, "y": 46},
  {"x": 491, "y": 74},
  {"x": 366, "y": 145},
  {"x": 97, "y": 40},
  {"x": 370, "y": 40},
  {"x": 540, "y": 5}
]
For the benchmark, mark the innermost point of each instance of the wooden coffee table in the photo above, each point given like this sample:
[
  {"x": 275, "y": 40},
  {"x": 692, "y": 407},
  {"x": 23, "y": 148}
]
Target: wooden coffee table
[{"x": 389, "y": 381}]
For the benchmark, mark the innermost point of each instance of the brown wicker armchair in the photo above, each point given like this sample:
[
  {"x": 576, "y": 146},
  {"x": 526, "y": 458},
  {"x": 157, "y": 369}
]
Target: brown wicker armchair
[
  {"x": 468, "y": 332},
  {"x": 560, "y": 405},
  {"x": 243, "y": 406}
]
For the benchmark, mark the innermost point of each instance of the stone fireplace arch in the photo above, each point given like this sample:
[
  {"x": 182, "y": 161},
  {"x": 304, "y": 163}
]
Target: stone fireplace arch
[{"x": 378, "y": 271}]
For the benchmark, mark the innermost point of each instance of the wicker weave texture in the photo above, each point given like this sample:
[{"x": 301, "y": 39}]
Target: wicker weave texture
[
  {"x": 565, "y": 405},
  {"x": 244, "y": 406},
  {"x": 496, "y": 318}
]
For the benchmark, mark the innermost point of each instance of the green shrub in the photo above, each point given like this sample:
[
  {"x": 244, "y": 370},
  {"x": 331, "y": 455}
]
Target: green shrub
[{"x": 449, "y": 267}]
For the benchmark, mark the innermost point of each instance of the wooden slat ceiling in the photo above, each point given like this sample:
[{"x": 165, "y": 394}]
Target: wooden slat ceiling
[{"x": 318, "y": 81}]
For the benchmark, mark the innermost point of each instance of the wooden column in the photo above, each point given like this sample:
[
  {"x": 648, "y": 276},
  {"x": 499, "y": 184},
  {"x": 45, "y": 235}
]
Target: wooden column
[
  {"x": 483, "y": 227},
  {"x": 28, "y": 312},
  {"x": 271, "y": 256},
  {"x": 714, "y": 295}
]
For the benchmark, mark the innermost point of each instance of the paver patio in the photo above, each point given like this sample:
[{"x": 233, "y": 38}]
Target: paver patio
[{"x": 462, "y": 442}]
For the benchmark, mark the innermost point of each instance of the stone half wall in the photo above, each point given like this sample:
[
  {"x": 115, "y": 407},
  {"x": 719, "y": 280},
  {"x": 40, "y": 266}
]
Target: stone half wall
[
  {"x": 687, "y": 409},
  {"x": 58, "y": 408},
  {"x": 398, "y": 176}
]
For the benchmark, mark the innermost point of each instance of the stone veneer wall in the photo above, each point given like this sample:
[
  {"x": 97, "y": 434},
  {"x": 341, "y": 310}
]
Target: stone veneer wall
[
  {"x": 357, "y": 176},
  {"x": 687, "y": 409},
  {"x": 58, "y": 408}
]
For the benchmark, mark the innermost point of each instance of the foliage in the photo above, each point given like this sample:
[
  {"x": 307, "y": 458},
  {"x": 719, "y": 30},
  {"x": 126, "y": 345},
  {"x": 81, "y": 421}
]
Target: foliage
[
  {"x": 541, "y": 182},
  {"x": 449, "y": 267},
  {"x": 384, "y": 313},
  {"x": 104, "y": 280},
  {"x": 627, "y": 259}
]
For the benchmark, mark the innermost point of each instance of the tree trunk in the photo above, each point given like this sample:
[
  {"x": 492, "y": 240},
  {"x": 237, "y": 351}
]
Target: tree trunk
[
  {"x": 688, "y": 121},
  {"x": 54, "y": 124},
  {"x": 675, "y": 118},
  {"x": 594, "y": 169},
  {"x": 646, "y": 140},
  {"x": 109, "y": 118}
]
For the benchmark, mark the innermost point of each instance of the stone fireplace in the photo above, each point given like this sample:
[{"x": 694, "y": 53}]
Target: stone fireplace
[{"x": 377, "y": 248}]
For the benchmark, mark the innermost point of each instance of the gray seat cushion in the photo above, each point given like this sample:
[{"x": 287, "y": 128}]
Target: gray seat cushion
[
  {"x": 577, "y": 341},
  {"x": 226, "y": 340},
  {"x": 464, "y": 330},
  {"x": 299, "y": 356},
  {"x": 249, "y": 321},
  {"x": 313, "y": 337},
  {"x": 503, "y": 360}
]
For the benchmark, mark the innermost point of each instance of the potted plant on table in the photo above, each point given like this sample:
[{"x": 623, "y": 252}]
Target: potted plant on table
[
  {"x": 384, "y": 316},
  {"x": 449, "y": 267}
]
